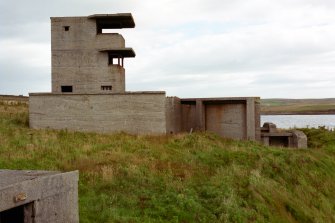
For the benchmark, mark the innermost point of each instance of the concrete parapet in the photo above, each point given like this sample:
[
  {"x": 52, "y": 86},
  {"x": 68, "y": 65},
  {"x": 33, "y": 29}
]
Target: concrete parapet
[
  {"x": 38, "y": 196},
  {"x": 131, "y": 112}
]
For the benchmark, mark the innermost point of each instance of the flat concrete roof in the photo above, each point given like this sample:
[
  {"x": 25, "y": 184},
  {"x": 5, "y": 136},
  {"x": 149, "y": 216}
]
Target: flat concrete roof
[
  {"x": 121, "y": 52},
  {"x": 10, "y": 177},
  {"x": 218, "y": 100},
  {"x": 276, "y": 134},
  {"x": 19, "y": 187},
  {"x": 114, "y": 21},
  {"x": 69, "y": 94}
]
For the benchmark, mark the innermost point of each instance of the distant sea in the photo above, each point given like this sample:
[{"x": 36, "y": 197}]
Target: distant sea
[{"x": 300, "y": 121}]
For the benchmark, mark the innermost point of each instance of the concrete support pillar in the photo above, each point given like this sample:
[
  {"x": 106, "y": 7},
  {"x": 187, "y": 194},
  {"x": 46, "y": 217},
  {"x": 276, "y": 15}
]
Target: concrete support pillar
[
  {"x": 200, "y": 115},
  {"x": 266, "y": 141},
  {"x": 250, "y": 119}
]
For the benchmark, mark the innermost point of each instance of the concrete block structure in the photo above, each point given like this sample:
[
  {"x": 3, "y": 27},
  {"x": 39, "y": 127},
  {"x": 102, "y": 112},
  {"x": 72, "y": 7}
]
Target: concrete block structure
[
  {"x": 237, "y": 118},
  {"x": 84, "y": 58},
  {"x": 271, "y": 136},
  {"x": 89, "y": 90},
  {"x": 131, "y": 112},
  {"x": 38, "y": 196}
]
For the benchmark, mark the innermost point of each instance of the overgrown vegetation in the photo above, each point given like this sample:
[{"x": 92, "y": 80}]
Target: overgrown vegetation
[{"x": 196, "y": 177}]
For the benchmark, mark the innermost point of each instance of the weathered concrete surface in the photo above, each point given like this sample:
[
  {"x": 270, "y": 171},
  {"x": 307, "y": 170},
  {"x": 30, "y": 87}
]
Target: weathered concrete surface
[
  {"x": 83, "y": 60},
  {"x": 173, "y": 115},
  {"x": 77, "y": 60},
  {"x": 188, "y": 117},
  {"x": 131, "y": 112},
  {"x": 227, "y": 120},
  {"x": 46, "y": 196},
  {"x": 271, "y": 136},
  {"x": 299, "y": 139},
  {"x": 236, "y": 118}
]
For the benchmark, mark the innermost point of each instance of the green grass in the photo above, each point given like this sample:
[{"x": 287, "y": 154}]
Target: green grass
[{"x": 197, "y": 177}]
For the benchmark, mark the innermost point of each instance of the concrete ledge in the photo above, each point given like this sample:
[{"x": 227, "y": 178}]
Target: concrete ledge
[
  {"x": 277, "y": 134},
  {"x": 125, "y": 93},
  {"x": 219, "y": 99}
]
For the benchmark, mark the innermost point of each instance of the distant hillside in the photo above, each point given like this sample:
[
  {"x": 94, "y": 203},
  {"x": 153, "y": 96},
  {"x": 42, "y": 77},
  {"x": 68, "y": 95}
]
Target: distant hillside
[
  {"x": 13, "y": 99},
  {"x": 276, "y": 106},
  {"x": 272, "y": 106}
]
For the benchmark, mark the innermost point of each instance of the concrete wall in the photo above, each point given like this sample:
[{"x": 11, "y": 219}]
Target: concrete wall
[
  {"x": 237, "y": 118},
  {"x": 257, "y": 115},
  {"x": 228, "y": 120},
  {"x": 188, "y": 118},
  {"x": 136, "y": 113},
  {"x": 76, "y": 60},
  {"x": 173, "y": 115},
  {"x": 45, "y": 196}
]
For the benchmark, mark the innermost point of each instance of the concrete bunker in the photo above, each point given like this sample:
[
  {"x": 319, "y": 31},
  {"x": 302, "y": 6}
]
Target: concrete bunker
[
  {"x": 89, "y": 91},
  {"x": 20, "y": 214},
  {"x": 271, "y": 136},
  {"x": 236, "y": 118},
  {"x": 38, "y": 196}
]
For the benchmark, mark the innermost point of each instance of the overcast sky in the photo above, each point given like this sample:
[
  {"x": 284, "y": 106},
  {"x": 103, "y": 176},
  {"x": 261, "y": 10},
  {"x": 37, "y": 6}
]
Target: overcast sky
[{"x": 188, "y": 48}]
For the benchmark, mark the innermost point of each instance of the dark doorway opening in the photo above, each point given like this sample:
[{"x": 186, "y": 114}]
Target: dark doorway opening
[
  {"x": 278, "y": 141},
  {"x": 20, "y": 214},
  {"x": 12, "y": 215},
  {"x": 104, "y": 88}
]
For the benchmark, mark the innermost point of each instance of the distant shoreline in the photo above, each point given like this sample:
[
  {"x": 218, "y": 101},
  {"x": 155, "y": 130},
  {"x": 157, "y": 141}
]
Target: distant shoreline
[
  {"x": 299, "y": 113},
  {"x": 276, "y": 106},
  {"x": 282, "y": 106}
]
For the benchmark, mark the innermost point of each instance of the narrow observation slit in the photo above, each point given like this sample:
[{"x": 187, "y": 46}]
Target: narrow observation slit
[
  {"x": 106, "y": 87},
  {"x": 66, "y": 88}
]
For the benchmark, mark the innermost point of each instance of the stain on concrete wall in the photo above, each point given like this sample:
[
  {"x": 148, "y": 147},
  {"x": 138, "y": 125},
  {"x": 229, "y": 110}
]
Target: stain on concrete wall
[
  {"x": 227, "y": 120},
  {"x": 236, "y": 118},
  {"x": 173, "y": 115}
]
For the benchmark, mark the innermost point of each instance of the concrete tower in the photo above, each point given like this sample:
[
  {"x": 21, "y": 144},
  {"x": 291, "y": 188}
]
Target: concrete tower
[{"x": 86, "y": 56}]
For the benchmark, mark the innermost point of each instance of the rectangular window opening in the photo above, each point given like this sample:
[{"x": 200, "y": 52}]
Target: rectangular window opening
[
  {"x": 109, "y": 31},
  {"x": 115, "y": 60},
  {"x": 66, "y": 88},
  {"x": 66, "y": 28},
  {"x": 106, "y": 87},
  {"x": 107, "y": 27},
  {"x": 112, "y": 59}
]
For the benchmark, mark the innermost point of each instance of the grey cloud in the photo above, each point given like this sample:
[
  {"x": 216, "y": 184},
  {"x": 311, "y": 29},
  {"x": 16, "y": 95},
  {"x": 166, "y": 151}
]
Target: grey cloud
[
  {"x": 190, "y": 48},
  {"x": 18, "y": 79}
]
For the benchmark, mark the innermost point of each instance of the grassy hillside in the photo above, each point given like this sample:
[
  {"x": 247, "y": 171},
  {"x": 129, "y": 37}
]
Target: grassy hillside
[
  {"x": 181, "y": 178},
  {"x": 298, "y": 106}
]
